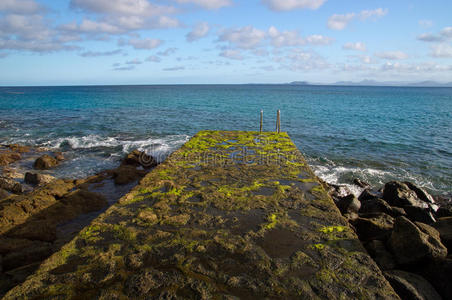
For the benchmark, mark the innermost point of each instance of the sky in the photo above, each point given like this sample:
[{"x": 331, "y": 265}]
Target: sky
[{"x": 91, "y": 42}]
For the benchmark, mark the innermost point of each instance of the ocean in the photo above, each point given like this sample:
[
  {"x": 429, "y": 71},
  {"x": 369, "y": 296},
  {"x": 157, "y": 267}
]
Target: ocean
[{"x": 376, "y": 134}]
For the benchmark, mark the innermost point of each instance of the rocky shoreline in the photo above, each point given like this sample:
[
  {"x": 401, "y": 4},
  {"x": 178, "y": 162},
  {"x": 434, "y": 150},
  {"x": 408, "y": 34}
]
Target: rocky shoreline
[
  {"x": 40, "y": 213},
  {"x": 404, "y": 229},
  {"x": 407, "y": 232}
]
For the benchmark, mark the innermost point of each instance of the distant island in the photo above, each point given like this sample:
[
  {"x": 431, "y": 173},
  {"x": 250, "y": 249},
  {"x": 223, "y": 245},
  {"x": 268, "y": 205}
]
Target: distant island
[{"x": 367, "y": 82}]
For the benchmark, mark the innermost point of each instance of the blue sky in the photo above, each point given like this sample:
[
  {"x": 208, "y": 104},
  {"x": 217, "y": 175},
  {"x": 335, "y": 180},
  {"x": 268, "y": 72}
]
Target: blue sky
[{"x": 72, "y": 42}]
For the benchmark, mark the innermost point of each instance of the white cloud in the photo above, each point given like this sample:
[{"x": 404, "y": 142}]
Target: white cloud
[
  {"x": 415, "y": 68},
  {"x": 123, "y": 7},
  {"x": 392, "y": 55},
  {"x": 317, "y": 39},
  {"x": 426, "y": 23},
  {"x": 135, "y": 61},
  {"x": 232, "y": 54},
  {"x": 285, "y": 38},
  {"x": 20, "y": 6},
  {"x": 154, "y": 58},
  {"x": 339, "y": 22},
  {"x": 358, "y": 46},
  {"x": 244, "y": 37},
  {"x": 208, "y": 4},
  {"x": 441, "y": 51},
  {"x": 145, "y": 44},
  {"x": 284, "y": 5},
  {"x": 428, "y": 37},
  {"x": 167, "y": 52},
  {"x": 447, "y": 32},
  {"x": 102, "y": 53},
  {"x": 176, "y": 68},
  {"x": 199, "y": 31}
]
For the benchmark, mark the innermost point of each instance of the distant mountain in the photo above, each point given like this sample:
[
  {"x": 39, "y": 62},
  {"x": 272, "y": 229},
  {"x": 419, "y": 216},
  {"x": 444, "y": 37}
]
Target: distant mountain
[
  {"x": 299, "y": 83},
  {"x": 367, "y": 82}
]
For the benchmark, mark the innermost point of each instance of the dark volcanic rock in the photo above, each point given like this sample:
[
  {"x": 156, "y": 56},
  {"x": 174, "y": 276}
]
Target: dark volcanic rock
[
  {"x": 380, "y": 254},
  {"x": 374, "y": 226},
  {"x": 45, "y": 162},
  {"x": 369, "y": 195},
  {"x": 419, "y": 214},
  {"x": 139, "y": 158},
  {"x": 444, "y": 227},
  {"x": 411, "y": 244},
  {"x": 338, "y": 191},
  {"x": 380, "y": 206},
  {"x": 348, "y": 204},
  {"x": 399, "y": 194},
  {"x": 420, "y": 192},
  {"x": 11, "y": 185},
  {"x": 361, "y": 183},
  {"x": 411, "y": 286},
  {"x": 35, "y": 178},
  {"x": 439, "y": 274}
]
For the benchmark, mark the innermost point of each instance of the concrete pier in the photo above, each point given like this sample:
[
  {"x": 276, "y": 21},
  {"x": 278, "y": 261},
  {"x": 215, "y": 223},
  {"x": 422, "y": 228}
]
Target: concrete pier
[{"x": 230, "y": 215}]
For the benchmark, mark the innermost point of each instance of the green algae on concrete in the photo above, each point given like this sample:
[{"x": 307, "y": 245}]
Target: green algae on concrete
[{"x": 230, "y": 215}]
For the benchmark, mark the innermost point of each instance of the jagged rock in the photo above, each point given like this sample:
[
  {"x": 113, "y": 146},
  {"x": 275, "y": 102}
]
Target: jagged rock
[
  {"x": 380, "y": 254},
  {"x": 419, "y": 214},
  {"x": 348, "y": 204},
  {"x": 439, "y": 273},
  {"x": 361, "y": 183},
  {"x": 338, "y": 191},
  {"x": 45, "y": 162},
  {"x": 444, "y": 227},
  {"x": 11, "y": 185},
  {"x": 369, "y": 195},
  {"x": 380, "y": 206},
  {"x": 420, "y": 192},
  {"x": 374, "y": 226},
  {"x": 399, "y": 194},
  {"x": 35, "y": 178},
  {"x": 139, "y": 158},
  {"x": 412, "y": 244},
  {"x": 3, "y": 194},
  {"x": 411, "y": 286},
  {"x": 126, "y": 174}
]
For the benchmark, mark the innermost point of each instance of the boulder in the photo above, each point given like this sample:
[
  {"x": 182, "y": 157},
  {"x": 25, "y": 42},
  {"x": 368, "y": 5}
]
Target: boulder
[
  {"x": 58, "y": 156},
  {"x": 374, "y": 226},
  {"x": 4, "y": 194},
  {"x": 11, "y": 185},
  {"x": 380, "y": 254},
  {"x": 419, "y": 214},
  {"x": 399, "y": 194},
  {"x": 9, "y": 157},
  {"x": 412, "y": 244},
  {"x": 444, "y": 227},
  {"x": 369, "y": 195},
  {"x": 377, "y": 205},
  {"x": 139, "y": 158},
  {"x": 348, "y": 204},
  {"x": 36, "y": 178},
  {"x": 420, "y": 192},
  {"x": 19, "y": 148},
  {"x": 439, "y": 274},
  {"x": 411, "y": 286},
  {"x": 361, "y": 183},
  {"x": 45, "y": 162}
]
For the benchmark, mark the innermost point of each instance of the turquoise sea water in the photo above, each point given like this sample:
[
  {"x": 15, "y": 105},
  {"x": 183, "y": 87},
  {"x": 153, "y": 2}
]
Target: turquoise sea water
[{"x": 374, "y": 133}]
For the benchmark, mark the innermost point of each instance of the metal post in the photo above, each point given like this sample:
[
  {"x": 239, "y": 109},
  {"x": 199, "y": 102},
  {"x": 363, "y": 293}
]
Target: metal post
[
  {"x": 262, "y": 120},
  {"x": 278, "y": 121}
]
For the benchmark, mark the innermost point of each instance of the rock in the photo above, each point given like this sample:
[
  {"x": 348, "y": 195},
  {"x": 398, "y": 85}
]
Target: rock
[
  {"x": 58, "y": 156},
  {"x": 377, "y": 205},
  {"x": 35, "y": 178},
  {"x": 439, "y": 274},
  {"x": 3, "y": 194},
  {"x": 399, "y": 194},
  {"x": 19, "y": 148},
  {"x": 11, "y": 185},
  {"x": 411, "y": 286},
  {"x": 380, "y": 254},
  {"x": 361, "y": 183},
  {"x": 443, "y": 212},
  {"x": 126, "y": 174},
  {"x": 45, "y": 162},
  {"x": 411, "y": 244},
  {"x": 22, "y": 257},
  {"x": 37, "y": 230},
  {"x": 148, "y": 216},
  {"x": 444, "y": 227},
  {"x": 374, "y": 226},
  {"x": 9, "y": 157},
  {"x": 369, "y": 195},
  {"x": 139, "y": 158},
  {"x": 420, "y": 192},
  {"x": 348, "y": 204},
  {"x": 85, "y": 201},
  {"x": 415, "y": 213}
]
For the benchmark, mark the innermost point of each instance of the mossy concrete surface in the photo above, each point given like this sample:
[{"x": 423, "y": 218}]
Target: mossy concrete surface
[{"x": 230, "y": 215}]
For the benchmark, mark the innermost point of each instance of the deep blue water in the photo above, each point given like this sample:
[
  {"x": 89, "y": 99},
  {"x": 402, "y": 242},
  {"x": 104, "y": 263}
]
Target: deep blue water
[{"x": 375, "y": 133}]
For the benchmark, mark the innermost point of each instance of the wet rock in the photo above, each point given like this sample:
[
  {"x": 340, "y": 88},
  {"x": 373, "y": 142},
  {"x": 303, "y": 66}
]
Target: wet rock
[
  {"x": 411, "y": 286},
  {"x": 380, "y": 254},
  {"x": 7, "y": 158},
  {"x": 35, "y": 178},
  {"x": 338, "y": 191},
  {"x": 19, "y": 148},
  {"x": 3, "y": 194},
  {"x": 380, "y": 206},
  {"x": 361, "y": 183},
  {"x": 11, "y": 185},
  {"x": 349, "y": 204},
  {"x": 45, "y": 162},
  {"x": 369, "y": 195},
  {"x": 419, "y": 214},
  {"x": 374, "y": 226},
  {"x": 420, "y": 192},
  {"x": 444, "y": 227},
  {"x": 126, "y": 174},
  {"x": 59, "y": 156},
  {"x": 439, "y": 273},
  {"x": 85, "y": 201},
  {"x": 411, "y": 244},
  {"x": 399, "y": 194},
  {"x": 139, "y": 158}
]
